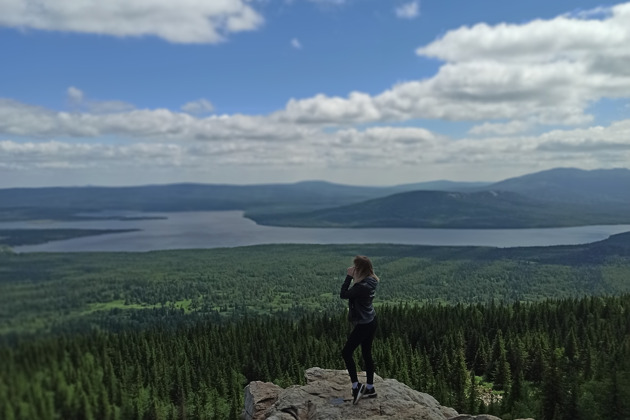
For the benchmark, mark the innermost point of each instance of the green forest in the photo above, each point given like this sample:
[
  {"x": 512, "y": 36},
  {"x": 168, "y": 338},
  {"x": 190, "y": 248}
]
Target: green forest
[
  {"x": 516, "y": 332},
  {"x": 17, "y": 237}
]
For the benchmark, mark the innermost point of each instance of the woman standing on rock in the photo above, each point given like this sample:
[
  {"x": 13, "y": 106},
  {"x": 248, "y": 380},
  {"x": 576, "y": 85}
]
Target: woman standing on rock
[{"x": 363, "y": 316}]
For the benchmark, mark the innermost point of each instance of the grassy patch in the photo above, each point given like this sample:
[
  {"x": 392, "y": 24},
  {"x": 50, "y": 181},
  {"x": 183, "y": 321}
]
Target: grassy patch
[{"x": 115, "y": 304}]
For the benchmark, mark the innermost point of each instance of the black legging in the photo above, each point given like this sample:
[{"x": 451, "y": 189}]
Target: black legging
[{"x": 362, "y": 334}]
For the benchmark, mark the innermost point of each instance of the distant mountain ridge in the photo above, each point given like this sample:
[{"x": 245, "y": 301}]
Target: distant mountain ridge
[
  {"x": 570, "y": 185},
  {"x": 442, "y": 185},
  {"x": 440, "y": 209},
  {"x": 553, "y": 198},
  {"x": 66, "y": 202}
]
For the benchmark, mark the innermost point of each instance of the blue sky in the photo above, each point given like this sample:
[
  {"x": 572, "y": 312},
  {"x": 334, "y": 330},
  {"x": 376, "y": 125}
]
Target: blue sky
[{"x": 351, "y": 91}]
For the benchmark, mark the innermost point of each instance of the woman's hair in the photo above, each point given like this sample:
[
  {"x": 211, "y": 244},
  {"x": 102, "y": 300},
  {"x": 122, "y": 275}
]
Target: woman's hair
[{"x": 363, "y": 268}]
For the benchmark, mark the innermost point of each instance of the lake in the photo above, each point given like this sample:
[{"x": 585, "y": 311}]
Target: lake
[{"x": 215, "y": 229}]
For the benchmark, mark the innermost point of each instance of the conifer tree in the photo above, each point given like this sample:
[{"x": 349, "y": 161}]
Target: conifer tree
[
  {"x": 552, "y": 386},
  {"x": 473, "y": 394},
  {"x": 459, "y": 379}
]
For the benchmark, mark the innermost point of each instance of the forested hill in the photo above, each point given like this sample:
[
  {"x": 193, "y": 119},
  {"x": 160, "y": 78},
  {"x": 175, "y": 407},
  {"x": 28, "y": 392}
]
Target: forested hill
[
  {"x": 553, "y": 360},
  {"x": 616, "y": 246},
  {"x": 517, "y": 332},
  {"x": 555, "y": 198},
  {"x": 76, "y": 291},
  {"x": 600, "y": 188},
  {"x": 66, "y": 202},
  {"x": 439, "y": 209}
]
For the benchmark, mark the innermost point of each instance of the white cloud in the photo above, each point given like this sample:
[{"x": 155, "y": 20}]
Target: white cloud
[
  {"x": 409, "y": 10},
  {"x": 594, "y": 147},
  {"x": 468, "y": 92},
  {"x": 198, "y": 107},
  {"x": 546, "y": 71},
  {"x": 108, "y": 107},
  {"x": 295, "y": 43},
  {"x": 78, "y": 100},
  {"x": 56, "y": 154},
  {"x": 159, "y": 124},
  {"x": 376, "y": 147},
  {"x": 184, "y": 21},
  {"x": 321, "y": 109},
  {"x": 561, "y": 39},
  {"x": 509, "y": 78},
  {"x": 501, "y": 129},
  {"x": 75, "y": 95},
  {"x": 597, "y": 12}
]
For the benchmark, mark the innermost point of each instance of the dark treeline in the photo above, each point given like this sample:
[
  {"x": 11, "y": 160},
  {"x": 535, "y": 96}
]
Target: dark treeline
[
  {"x": 552, "y": 360},
  {"x": 17, "y": 237}
]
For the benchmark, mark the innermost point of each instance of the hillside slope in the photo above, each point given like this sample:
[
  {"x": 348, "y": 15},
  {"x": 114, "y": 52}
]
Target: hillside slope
[
  {"x": 555, "y": 198},
  {"x": 439, "y": 209},
  {"x": 66, "y": 202},
  {"x": 601, "y": 187}
]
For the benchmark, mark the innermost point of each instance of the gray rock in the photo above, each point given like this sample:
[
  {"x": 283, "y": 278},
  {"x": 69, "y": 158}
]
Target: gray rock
[
  {"x": 327, "y": 396},
  {"x": 259, "y": 396}
]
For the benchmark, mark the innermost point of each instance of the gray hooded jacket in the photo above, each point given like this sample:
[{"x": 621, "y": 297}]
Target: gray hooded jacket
[{"x": 360, "y": 298}]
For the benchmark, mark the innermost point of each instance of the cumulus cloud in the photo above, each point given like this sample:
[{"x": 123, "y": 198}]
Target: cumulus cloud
[
  {"x": 597, "y": 12},
  {"x": 594, "y": 147},
  {"x": 160, "y": 137},
  {"x": 508, "y": 77},
  {"x": 466, "y": 92},
  {"x": 198, "y": 107},
  {"x": 547, "y": 71},
  {"x": 502, "y": 129},
  {"x": 78, "y": 100},
  {"x": 544, "y": 71},
  {"x": 564, "y": 38},
  {"x": 108, "y": 107},
  {"x": 184, "y": 21},
  {"x": 160, "y": 124},
  {"x": 408, "y": 10},
  {"x": 75, "y": 95},
  {"x": 322, "y": 109},
  {"x": 56, "y": 154},
  {"x": 378, "y": 146},
  {"x": 295, "y": 43}
]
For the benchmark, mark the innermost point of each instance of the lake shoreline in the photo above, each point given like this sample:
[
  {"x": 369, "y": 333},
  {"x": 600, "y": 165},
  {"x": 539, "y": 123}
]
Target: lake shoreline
[{"x": 228, "y": 229}]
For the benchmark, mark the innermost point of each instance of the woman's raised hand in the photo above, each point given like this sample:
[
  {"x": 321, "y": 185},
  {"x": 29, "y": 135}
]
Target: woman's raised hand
[{"x": 351, "y": 271}]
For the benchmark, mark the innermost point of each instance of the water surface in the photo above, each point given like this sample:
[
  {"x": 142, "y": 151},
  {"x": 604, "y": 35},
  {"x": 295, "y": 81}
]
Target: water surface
[{"x": 214, "y": 229}]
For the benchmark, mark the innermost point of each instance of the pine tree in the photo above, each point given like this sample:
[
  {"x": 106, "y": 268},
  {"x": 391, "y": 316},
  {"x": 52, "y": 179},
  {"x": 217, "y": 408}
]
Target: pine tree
[
  {"x": 552, "y": 386},
  {"x": 459, "y": 380},
  {"x": 473, "y": 395}
]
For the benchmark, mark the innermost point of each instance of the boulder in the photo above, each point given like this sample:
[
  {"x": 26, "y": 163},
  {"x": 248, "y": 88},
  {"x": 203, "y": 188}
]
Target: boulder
[
  {"x": 259, "y": 396},
  {"x": 327, "y": 396}
]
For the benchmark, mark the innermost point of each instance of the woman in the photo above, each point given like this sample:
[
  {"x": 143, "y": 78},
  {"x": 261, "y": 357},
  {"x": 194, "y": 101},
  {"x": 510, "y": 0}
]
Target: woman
[{"x": 363, "y": 316}]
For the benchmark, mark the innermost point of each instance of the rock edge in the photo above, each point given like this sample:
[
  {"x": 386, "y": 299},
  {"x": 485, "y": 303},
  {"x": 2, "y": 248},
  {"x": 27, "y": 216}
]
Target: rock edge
[{"x": 327, "y": 396}]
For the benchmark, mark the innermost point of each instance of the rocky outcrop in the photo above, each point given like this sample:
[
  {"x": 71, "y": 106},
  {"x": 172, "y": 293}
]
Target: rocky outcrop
[{"x": 326, "y": 396}]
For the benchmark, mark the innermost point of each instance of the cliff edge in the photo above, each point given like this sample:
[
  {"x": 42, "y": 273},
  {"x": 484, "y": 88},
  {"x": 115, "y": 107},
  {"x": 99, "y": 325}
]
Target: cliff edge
[{"x": 326, "y": 396}]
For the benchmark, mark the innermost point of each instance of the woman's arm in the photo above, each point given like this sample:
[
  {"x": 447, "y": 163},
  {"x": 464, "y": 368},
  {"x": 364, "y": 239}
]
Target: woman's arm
[
  {"x": 358, "y": 290},
  {"x": 345, "y": 293}
]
